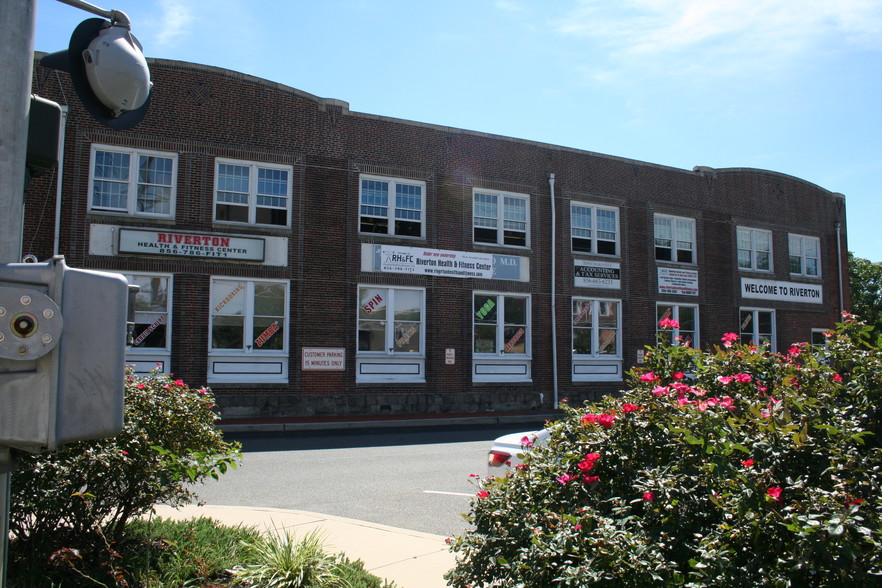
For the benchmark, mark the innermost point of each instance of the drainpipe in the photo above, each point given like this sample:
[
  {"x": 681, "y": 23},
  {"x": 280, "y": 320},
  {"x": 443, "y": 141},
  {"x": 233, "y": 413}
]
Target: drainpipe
[
  {"x": 553, "y": 290},
  {"x": 839, "y": 264},
  {"x": 59, "y": 176}
]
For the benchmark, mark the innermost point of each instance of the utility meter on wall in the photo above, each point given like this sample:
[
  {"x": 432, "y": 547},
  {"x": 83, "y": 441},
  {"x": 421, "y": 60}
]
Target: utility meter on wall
[{"x": 62, "y": 354}]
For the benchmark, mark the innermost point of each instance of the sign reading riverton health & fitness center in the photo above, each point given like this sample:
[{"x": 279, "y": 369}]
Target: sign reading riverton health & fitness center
[
  {"x": 191, "y": 245},
  {"x": 440, "y": 262}
]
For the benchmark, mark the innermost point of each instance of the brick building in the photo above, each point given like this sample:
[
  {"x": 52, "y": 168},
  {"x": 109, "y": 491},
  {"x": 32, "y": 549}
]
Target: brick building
[{"x": 305, "y": 260}]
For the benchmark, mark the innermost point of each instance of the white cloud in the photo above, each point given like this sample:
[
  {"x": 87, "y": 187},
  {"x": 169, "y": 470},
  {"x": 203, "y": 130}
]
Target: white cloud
[
  {"x": 723, "y": 35},
  {"x": 175, "y": 21}
]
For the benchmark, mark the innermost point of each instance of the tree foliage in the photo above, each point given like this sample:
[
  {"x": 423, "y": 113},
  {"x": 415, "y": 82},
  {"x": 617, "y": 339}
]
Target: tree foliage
[
  {"x": 865, "y": 281},
  {"x": 735, "y": 466}
]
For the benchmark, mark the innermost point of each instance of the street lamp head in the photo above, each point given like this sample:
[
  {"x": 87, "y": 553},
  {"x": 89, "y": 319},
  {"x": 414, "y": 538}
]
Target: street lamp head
[
  {"x": 108, "y": 71},
  {"x": 117, "y": 70}
]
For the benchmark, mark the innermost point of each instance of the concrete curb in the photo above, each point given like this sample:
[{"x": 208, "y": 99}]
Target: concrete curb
[{"x": 294, "y": 426}]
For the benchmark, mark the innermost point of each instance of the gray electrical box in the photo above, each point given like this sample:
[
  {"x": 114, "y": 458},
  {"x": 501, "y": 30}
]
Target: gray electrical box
[{"x": 62, "y": 354}]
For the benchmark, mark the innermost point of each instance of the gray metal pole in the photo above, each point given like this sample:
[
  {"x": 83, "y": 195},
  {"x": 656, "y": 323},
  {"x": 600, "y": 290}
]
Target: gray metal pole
[{"x": 17, "y": 29}]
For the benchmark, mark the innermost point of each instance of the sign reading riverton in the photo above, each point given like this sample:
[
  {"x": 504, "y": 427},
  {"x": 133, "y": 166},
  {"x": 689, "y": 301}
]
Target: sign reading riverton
[
  {"x": 788, "y": 291},
  {"x": 191, "y": 245}
]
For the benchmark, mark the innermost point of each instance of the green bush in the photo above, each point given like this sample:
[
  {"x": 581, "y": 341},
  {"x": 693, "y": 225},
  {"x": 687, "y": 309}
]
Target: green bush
[
  {"x": 280, "y": 560},
  {"x": 81, "y": 497},
  {"x": 165, "y": 553},
  {"x": 730, "y": 467}
]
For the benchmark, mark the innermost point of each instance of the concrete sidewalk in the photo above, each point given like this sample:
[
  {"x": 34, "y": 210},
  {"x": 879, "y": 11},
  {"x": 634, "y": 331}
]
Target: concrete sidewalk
[{"x": 411, "y": 559}]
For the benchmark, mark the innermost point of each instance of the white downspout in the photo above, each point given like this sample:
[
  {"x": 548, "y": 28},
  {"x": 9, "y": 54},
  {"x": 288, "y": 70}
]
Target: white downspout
[
  {"x": 553, "y": 290},
  {"x": 839, "y": 264},
  {"x": 59, "y": 176}
]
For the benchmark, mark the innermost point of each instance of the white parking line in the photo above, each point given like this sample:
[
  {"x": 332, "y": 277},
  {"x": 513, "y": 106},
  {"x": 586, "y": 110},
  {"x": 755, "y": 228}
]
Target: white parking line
[{"x": 446, "y": 493}]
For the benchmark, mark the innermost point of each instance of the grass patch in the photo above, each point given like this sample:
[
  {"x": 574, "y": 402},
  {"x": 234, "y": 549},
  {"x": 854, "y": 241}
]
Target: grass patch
[{"x": 194, "y": 553}]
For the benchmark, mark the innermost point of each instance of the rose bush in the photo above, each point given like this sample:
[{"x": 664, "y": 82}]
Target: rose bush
[
  {"x": 733, "y": 466},
  {"x": 85, "y": 493}
]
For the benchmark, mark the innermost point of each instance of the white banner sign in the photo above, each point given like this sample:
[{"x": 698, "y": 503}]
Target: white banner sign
[
  {"x": 191, "y": 245},
  {"x": 787, "y": 291},
  {"x": 441, "y": 262},
  {"x": 677, "y": 281}
]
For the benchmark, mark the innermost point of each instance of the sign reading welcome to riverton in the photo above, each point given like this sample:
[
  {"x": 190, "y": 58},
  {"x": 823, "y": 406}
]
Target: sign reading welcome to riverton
[
  {"x": 788, "y": 291},
  {"x": 191, "y": 245}
]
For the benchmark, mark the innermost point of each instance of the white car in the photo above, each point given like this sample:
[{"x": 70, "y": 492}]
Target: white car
[{"x": 508, "y": 451}]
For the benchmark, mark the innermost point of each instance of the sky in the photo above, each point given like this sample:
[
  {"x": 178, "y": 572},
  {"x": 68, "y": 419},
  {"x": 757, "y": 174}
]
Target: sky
[{"x": 791, "y": 86}]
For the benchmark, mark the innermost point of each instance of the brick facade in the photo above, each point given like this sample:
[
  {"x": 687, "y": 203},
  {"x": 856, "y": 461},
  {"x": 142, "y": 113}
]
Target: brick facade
[{"x": 202, "y": 113}]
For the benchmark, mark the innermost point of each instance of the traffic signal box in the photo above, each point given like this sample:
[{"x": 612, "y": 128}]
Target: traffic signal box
[{"x": 62, "y": 354}]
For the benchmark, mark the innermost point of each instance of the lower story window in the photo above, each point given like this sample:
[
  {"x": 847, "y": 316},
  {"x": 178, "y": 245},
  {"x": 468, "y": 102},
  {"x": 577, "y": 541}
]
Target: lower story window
[
  {"x": 595, "y": 327},
  {"x": 684, "y": 328},
  {"x": 596, "y": 339},
  {"x": 501, "y": 337},
  {"x": 757, "y": 327},
  {"x": 391, "y": 334},
  {"x": 151, "y": 337},
  {"x": 501, "y": 324},
  {"x": 390, "y": 320},
  {"x": 248, "y": 339}
]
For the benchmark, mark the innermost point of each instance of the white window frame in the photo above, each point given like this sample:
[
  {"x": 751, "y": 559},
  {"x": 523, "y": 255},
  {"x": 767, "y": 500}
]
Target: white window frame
[
  {"x": 797, "y": 250},
  {"x": 248, "y": 363},
  {"x": 819, "y": 339},
  {"x": 252, "y": 195},
  {"x": 500, "y": 343},
  {"x": 392, "y": 338},
  {"x": 661, "y": 309},
  {"x": 591, "y": 233},
  {"x": 500, "y": 365},
  {"x": 753, "y": 335},
  {"x": 595, "y": 311},
  {"x": 395, "y": 211},
  {"x": 750, "y": 246},
  {"x": 486, "y": 219},
  {"x": 678, "y": 243},
  {"x": 389, "y": 364},
  {"x": 145, "y": 359},
  {"x": 132, "y": 182}
]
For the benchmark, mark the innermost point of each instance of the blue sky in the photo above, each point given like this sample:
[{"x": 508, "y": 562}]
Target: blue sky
[{"x": 793, "y": 86}]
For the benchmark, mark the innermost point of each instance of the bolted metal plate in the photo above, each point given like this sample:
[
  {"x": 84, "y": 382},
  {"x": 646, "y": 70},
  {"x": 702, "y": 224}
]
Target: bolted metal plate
[{"x": 30, "y": 323}]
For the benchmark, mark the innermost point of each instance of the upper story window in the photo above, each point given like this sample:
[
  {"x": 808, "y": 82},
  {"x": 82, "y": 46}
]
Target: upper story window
[
  {"x": 253, "y": 193},
  {"x": 392, "y": 207},
  {"x": 805, "y": 256},
  {"x": 501, "y": 218},
  {"x": 595, "y": 229},
  {"x": 754, "y": 249},
  {"x": 596, "y": 327},
  {"x": 674, "y": 239},
  {"x": 133, "y": 181}
]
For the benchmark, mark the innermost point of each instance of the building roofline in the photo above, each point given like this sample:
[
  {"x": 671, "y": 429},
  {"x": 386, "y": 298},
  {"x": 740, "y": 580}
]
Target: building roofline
[{"x": 323, "y": 103}]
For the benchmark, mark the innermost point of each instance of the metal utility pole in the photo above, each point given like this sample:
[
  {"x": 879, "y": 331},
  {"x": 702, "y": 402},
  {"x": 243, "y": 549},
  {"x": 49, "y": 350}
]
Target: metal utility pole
[{"x": 17, "y": 29}]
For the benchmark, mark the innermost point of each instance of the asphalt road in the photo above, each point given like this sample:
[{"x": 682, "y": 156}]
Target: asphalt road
[{"x": 412, "y": 478}]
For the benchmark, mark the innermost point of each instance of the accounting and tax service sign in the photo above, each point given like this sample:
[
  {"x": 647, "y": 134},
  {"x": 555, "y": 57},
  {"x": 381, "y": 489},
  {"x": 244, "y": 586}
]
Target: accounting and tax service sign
[{"x": 786, "y": 291}]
